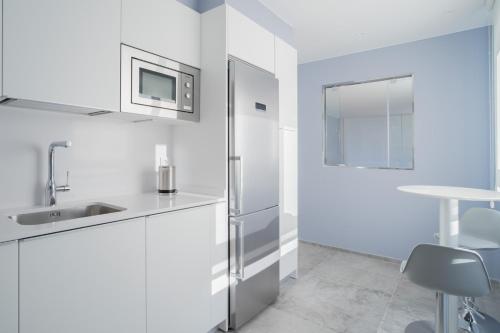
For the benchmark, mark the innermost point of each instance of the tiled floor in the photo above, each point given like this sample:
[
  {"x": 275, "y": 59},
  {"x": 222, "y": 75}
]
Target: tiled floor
[{"x": 343, "y": 292}]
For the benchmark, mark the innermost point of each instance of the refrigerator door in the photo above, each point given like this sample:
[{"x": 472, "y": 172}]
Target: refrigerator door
[
  {"x": 254, "y": 264},
  {"x": 254, "y": 139}
]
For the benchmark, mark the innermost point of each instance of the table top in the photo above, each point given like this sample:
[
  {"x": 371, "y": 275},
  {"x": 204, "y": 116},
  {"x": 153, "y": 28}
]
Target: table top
[{"x": 452, "y": 192}]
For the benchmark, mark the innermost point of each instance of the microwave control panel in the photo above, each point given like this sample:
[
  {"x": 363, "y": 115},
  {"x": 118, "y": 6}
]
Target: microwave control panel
[{"x": 187, "y": 92}]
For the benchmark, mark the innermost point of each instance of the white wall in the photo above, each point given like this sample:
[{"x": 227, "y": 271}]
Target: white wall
[{"x": 108, "y": 157}]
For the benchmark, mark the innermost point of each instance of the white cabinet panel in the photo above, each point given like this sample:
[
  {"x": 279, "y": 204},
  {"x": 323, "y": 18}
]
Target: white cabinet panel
[
  {"x": 8, "y": 287},
  {"x": 1, "y": 47},
  {"x": 86, "y": 280},
  {"x": 288, "y": 201},
  {"x": 178, "y": 271},
  {"x": 249, "y": 41},
  {"x": 286, "y": 72},
  {"x": 65, "y": 52},
  {"x": 164, "y": 27},
  {"x": 219, "y": 263}
]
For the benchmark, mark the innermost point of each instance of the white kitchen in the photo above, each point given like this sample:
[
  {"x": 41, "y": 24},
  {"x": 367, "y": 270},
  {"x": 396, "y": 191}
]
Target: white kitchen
[{"x": 243, "y": 165}]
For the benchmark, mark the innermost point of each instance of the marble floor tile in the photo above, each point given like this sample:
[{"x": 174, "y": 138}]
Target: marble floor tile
[
  {"x": 310, "y": 256},
  {"x": 273, "y": 320},
  {"x": 344, "y": 292}
]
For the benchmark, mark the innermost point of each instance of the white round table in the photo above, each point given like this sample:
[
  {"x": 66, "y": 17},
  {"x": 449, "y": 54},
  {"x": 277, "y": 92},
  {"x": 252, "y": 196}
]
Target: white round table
[{"x": 449, "y": 197}]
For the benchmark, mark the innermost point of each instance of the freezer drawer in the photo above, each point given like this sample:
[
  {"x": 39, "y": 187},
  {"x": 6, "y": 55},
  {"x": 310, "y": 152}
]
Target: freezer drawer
[
  {"x": 253, "y": 139},
  {"x": 252, "y": 296},
  {"x": 254, "y": 263}
]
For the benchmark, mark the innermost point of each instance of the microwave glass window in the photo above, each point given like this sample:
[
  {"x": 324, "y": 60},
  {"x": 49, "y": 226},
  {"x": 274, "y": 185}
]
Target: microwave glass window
[{"x": 157, "y": 85}]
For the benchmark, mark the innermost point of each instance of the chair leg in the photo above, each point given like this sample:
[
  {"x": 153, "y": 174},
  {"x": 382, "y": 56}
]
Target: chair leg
[{"x": 439, "y": 313}]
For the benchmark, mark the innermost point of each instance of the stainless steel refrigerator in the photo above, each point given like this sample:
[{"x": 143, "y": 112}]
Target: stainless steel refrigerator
[{"x": 253, "y": 191}]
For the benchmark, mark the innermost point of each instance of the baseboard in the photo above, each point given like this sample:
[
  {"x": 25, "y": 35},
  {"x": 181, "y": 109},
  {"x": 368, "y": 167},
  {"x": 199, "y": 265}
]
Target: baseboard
[
  {"x": 388, "y": 259},
  {"x": 494, "y": 282}
]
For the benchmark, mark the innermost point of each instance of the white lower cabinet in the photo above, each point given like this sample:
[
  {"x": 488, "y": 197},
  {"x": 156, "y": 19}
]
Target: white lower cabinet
[
  {"x": 288, "y": 203},
  {"x": 156, "y": 274},
  {"x": 84, "y": 280},
  {"x": 8, "y": 287},
  {"x": 179, "y": 272}
]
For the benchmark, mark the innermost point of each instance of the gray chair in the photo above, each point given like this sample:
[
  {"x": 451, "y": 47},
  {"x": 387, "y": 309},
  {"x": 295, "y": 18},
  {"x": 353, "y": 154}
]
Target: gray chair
[
  {"x": 479, "y": 229},
  {"x": 452, "y": 271}
]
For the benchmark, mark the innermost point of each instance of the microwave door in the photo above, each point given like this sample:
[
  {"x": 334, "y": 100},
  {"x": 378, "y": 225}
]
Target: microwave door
[{"x": 154, "y": 85}]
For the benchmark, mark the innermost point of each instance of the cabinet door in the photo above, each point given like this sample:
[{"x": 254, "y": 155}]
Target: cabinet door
[
  {"x": 86, "y": 280},
  {"x": 288, "y": 202},
  {"x": 286, "y": 72},
  {"x": 65, "y": 52},
  {"x": 249, "y": 41},
  {"x": 8, "y": 287},
  {"x": 1, "y": 49},
  {"x": 219, "y": 263},
  {"x": 178, "y": 271},
  {"x": 164, "y": 27}
]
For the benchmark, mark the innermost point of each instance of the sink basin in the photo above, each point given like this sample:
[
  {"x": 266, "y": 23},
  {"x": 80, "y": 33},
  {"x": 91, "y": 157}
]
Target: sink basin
[{"x": 64, "y": 214}]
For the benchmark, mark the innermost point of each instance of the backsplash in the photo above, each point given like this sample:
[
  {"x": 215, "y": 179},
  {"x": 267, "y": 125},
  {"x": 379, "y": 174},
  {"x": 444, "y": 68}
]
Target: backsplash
[{"x": 108, "y": 157}]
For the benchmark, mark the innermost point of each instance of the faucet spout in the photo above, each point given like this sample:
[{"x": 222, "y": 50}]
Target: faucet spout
[
  {"x": 51, "y": 188},
  {"x": 64, "y": 144}
]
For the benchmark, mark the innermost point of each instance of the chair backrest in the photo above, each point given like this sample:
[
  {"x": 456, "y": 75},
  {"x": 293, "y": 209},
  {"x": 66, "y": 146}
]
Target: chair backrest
[
  {"x": 449, "y": 270},
  {"x": 483, "y": 223}
]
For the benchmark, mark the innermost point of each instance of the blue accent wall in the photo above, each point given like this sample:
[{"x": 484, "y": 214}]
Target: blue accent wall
[
  {"x": 193, "y": 4},
  {"x": 254, "y": 9},
  {"x": 360, "y": 209},
  {"x": 206, "y": 5}
]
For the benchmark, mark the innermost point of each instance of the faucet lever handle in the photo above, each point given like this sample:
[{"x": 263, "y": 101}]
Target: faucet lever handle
[{"x": 64, "y": 188}]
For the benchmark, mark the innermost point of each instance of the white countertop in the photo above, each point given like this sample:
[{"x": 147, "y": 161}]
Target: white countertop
[
  {"x": 452, "y": 192},
  {"x": 136, "y": 206}
]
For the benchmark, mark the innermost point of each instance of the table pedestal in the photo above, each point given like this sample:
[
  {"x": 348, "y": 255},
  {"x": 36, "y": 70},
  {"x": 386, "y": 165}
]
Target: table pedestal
[{"x": 448, "y": 236}]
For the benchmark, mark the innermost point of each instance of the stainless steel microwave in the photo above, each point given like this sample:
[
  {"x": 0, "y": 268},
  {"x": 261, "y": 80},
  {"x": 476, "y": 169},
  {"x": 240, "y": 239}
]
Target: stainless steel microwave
[{"x": 156, "y": 86}]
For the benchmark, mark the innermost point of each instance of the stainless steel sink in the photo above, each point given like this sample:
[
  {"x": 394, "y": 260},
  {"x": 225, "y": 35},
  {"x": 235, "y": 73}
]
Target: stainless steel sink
[{"x": 64, "y": 214}]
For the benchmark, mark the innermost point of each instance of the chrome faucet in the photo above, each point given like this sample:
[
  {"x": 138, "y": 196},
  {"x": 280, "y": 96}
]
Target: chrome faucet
[{"x": 51, "y": 189}]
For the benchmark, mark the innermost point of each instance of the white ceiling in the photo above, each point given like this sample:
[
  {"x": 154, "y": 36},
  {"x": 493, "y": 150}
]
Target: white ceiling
[{"x": 331, "y": 28}]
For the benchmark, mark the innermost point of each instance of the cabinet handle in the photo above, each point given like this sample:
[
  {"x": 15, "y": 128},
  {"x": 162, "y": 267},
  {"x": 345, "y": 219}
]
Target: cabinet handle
[{"x": 240, "y": 238}]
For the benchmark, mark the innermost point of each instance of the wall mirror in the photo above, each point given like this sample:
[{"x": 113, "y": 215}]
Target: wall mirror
[{"x": 369, "y": 124}]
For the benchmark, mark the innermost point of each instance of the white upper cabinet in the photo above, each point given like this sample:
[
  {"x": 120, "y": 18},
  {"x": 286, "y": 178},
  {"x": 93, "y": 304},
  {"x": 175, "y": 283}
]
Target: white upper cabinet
[
  {"x": 286, "y": 72},
  {"x": 84, "y": 280},
  {"x": 249, "y": 41},
  {"x": 164, "y": 27},
  {"x": 8, "y": 287},
  {"x": 64, "y": 52}
]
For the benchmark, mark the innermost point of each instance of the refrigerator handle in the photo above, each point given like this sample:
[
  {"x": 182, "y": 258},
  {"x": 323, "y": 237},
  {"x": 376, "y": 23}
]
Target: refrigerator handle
[
  {"x": 240, "y": 240},
  {"x": 237, "y": 184}
]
